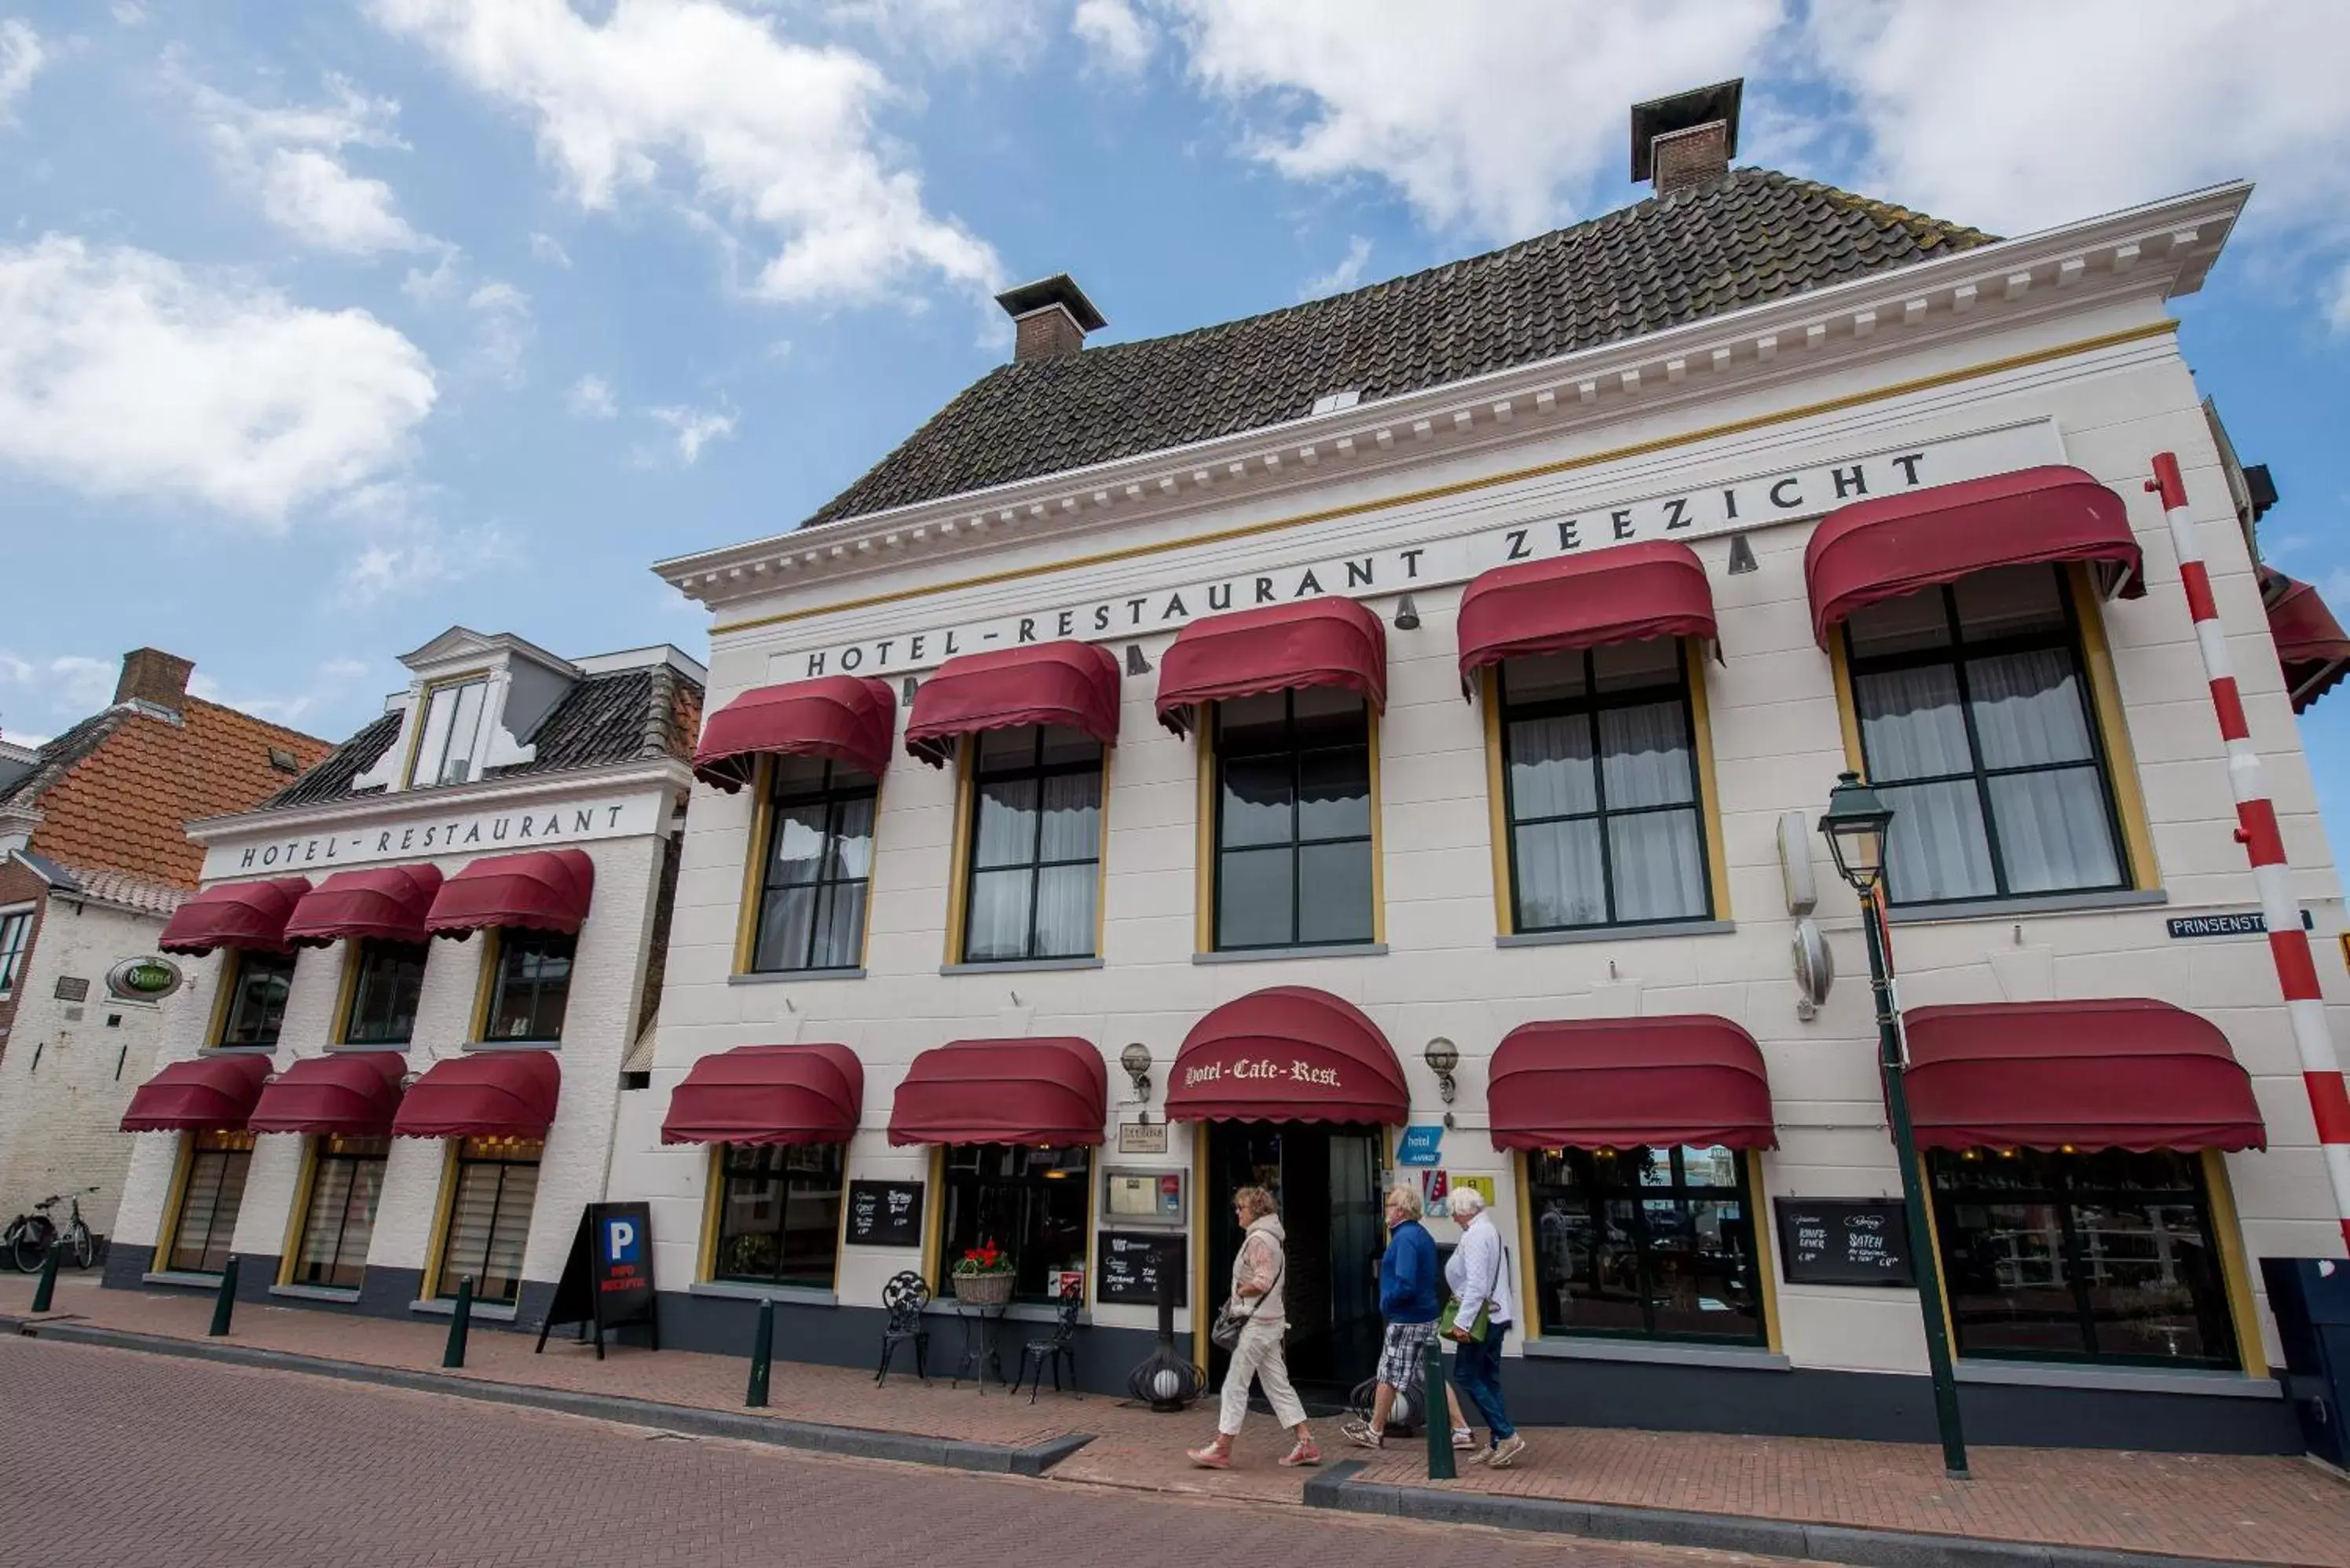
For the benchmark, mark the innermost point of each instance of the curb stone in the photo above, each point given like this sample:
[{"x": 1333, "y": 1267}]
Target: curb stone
[
  {"x": 1337, "y": 1489},
  {"x": 857, "y": 1442}
]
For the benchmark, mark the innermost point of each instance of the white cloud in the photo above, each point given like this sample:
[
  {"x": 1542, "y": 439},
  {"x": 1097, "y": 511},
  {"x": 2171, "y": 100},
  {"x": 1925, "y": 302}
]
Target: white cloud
[
  {"x": 122, "y": 373},
  {"x": 950, "y": 32},
  {"x": 408, "y": 547},
  {"x": 1116, "y": 37},
  {"x": 1498, "y": 121},
  {"x": 754, "y": 133},
  {"x": 548, "y": 249},
  {"x": 694, "y": 428},
  {"x": 502, "y": 331},
  {"x": 21, "y": 58},
  {"x": 590, "y": 398},
  {"x": 2337, "y": 302},
  {"x": 329, "y": 681},
  {"x": 1344, "y": 275},
  {"x": 68, "y": 685},
  {"x": 290, "y": 160}
]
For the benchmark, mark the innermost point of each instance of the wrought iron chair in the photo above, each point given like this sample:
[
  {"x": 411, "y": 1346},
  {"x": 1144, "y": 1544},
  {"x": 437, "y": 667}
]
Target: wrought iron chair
[
  {"x": 1059, "y": 1347},
  {"x": 904, "y": 1297}
]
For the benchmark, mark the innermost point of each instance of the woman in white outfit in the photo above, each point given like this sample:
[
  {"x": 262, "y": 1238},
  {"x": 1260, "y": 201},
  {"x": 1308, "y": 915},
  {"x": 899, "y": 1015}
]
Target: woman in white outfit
[{"x": 1258, "y": 1358}]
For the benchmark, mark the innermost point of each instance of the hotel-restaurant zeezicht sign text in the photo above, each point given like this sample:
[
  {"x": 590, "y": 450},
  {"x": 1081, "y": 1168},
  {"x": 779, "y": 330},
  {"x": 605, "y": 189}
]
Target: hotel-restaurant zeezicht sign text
[
  {"x": 495, "y": 829},
  {"x": 1606, "y": 521}
]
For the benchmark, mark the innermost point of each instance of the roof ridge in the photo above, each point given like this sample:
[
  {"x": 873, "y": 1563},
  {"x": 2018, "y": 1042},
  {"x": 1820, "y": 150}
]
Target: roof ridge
[{"x": 270, "y": 725}]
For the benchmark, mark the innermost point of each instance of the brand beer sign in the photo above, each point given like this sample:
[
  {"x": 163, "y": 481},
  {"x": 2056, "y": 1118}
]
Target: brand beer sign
[{"x": 143, "y": 978}]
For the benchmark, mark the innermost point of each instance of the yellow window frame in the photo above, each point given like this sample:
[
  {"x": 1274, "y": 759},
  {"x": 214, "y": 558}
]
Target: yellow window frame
[
  {"x": 755, "y": 866},
  {"x": 1204, "y": 860}
]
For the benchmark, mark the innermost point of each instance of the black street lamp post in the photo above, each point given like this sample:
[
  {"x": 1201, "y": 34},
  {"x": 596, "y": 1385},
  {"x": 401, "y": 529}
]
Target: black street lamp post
[{"x": 1855, "y": 827}]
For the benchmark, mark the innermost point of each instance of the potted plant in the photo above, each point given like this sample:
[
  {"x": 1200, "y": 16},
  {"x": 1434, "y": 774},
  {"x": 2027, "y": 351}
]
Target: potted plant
[{"x": 983, "y": 1276}]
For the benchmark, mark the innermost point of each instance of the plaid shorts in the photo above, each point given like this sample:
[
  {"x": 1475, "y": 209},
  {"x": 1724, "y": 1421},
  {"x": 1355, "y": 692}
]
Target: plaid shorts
[{"x": 1399, "y": 1355}]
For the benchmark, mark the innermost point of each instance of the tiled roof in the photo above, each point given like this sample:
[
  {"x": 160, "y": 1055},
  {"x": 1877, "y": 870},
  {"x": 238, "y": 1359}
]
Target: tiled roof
[
  {"x": 115, "y": 792},
  {"x": 603, "y": 719},
  {"x": 131, "y": 891},
  {"x": 1753, "y": 235}
]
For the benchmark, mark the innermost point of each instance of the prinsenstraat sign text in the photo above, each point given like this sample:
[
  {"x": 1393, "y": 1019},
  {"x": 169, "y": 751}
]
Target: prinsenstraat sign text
[
  {"x": 425, "y": 834},
  {"x": 1782, "y": 496}
]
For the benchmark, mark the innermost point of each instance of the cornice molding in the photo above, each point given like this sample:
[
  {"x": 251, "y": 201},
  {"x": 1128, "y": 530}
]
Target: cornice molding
[
  {"x": 642, "y": 772},
  {"x": 2163, "y": 250}
]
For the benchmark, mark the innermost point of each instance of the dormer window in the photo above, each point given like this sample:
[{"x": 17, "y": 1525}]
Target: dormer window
[{"x": 452, "y": 734}]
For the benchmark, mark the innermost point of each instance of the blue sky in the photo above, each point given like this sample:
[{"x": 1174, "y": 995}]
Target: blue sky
[{"x": 325, "y": 326}]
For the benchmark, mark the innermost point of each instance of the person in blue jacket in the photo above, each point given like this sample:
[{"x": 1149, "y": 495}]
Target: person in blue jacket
[{"x": 1410, "y": 1287}]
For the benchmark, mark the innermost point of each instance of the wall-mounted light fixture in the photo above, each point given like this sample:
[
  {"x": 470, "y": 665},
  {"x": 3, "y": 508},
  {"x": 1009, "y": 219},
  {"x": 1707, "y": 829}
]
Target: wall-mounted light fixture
[
  {"x": 1407, "y": 616},
  {"x": 1741, "y": 556},
  {"x": 1442, "y": 1056},
  {"x": 906, "y": 689},
  {"x": 1136, "y": 1060},
  {"x": 1135, "y": 664}
]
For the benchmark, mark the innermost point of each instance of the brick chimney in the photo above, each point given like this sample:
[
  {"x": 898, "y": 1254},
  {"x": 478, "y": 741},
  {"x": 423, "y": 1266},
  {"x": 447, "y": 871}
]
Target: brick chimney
[
  {"x": 1687, "y": 139},
  {"x": 1049, "y": 317},
  {"x": 151, "y": 675}
]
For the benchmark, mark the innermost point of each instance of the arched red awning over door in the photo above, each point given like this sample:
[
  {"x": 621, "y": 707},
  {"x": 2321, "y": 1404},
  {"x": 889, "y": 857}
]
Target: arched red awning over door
[
  {"x": 485, "y": 1094},
  {"x": 1624, "y": 594},
  {"x": 1279, "y": 648},
  {"x": 350, "y": 1093},
  {"x": 242, "y": 915},
  {"x": 1289, "y": 1053},
  {"x": 545, "y": 891},
  {"x": 204, "y": 1094},
  {"x": 768, "y": 1095},
  {"x": 1054, "y": 1089},
  {"x": 1895, "y": 545},
  {"x": 1071, "y": 684},
  {"x": 387, "y": 903},
  {"x": 2129, "y": 1073},
  {"x": 850, "y": 721},
  {"x": 1621, "y": 1083}
]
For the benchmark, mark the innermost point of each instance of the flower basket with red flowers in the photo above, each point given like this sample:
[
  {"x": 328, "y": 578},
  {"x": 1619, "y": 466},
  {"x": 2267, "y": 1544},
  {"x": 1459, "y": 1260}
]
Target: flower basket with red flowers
[{"x": 983, "y": 1276}]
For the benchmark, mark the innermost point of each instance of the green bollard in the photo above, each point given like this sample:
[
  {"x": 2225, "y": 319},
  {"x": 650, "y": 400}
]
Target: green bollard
[
  {"x": 1436, "y": 1418},
  {"x": 226, "y": 1302},
  {"x": 461, "y": 1322},
  {"x": 48, "y": 1285},
  {"x": 763, "y": 1352}
]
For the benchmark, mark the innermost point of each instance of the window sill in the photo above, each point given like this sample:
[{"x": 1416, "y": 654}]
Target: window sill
[
  {"x": 512, "y": 1045},
  {"x": 2120, "y": 1379},
  {"x": 794, "y": 976},
  {"x": 1018, "y": 966},
  {"x": 2043, "y": 904},
  {"x": 316, "y": 1293},
  {"x": 182, "y": 1277},
  {"x": 1266, "y": 955},
  {"x": 356, "y": 1047},
  {"x": 1667, "y": 1353},
  {"x": 1018, "y": 1311},
  {"x": 497, "y": 1312},
  {"x": 236, "y": 1050},
  {"x": 1618, "y": 933},
  {"x": 741, "y": 1290}
]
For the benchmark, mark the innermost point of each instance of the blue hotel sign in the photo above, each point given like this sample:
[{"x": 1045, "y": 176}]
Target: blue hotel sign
[{"x": 1418, "y": 1146}]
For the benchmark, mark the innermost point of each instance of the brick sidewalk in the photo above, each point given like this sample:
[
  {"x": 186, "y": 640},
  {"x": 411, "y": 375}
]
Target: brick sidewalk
[{"x": 2225, "y": 1507}]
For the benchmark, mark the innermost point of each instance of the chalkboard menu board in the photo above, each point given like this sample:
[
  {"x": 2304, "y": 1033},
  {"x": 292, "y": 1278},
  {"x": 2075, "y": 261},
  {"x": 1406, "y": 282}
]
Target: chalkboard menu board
[
  {"x": 1844, "y": 1241},
  {"x": 1131, "y": 1266},
  {"x": 884, "y": 1213}
]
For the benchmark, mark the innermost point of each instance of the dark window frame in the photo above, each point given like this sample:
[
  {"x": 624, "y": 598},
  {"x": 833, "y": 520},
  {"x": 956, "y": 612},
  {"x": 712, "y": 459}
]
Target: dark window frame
[
  {"x": 2064, "y": 1194},
  {"x": 1596, "y": 1195},
  {"x": 744, "y": 1162},
  {"x": 835, "y": 794},
  {"x": 1955, "y": 655},
  {"x": 15, "y": 949},
  {"x": 264, "y": 1030},
  {"x": 965, "y": 1168},
  {"x": 233, "y": 1151},
  {"x": 1590, "y": 704},
  {"x": 1224, "y": 756},
  {"x": 1035, "y": 768},
  {"x": 331, "y": 1151},
  {"x": 366, "y": 952},
  {"x": 511, "y": 941},
  {"x": 505, "y": 1155}
]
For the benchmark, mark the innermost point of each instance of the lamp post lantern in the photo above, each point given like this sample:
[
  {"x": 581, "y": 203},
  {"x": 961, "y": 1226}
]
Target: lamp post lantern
[{"x": 1854, "y": 826}]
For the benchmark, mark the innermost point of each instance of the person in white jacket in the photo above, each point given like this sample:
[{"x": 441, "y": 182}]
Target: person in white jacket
[
  {"x": 1478, "y": 1274},
  {"x": 1258, "y": 1358}
]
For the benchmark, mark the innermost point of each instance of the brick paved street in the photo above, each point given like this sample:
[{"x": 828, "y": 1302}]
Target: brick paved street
[{"x": 115, "y": 1458}]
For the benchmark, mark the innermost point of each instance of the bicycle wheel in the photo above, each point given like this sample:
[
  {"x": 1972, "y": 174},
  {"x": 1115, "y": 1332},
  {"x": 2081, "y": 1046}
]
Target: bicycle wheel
[
  {"x": 25, "y": 1247},
  {"x": 80, "y": 1248}
]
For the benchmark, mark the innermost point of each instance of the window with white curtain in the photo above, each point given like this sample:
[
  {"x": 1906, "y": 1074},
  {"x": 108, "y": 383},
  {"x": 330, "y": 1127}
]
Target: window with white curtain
[
  {"x": 452, "y": 731},
  {"x": 489, "y": 1217},
  {"x": 1976, "y": 728},
  {"x": 1036, "y": 845},
  {"x": 1600, "y": 783},
  {"x": 819, "y": 863}
]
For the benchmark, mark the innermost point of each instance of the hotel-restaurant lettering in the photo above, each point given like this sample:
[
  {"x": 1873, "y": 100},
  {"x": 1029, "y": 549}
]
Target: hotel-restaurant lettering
[
  {"x": 1256, "y": 1069},
  {"x": 504, "y": 828},
  {"x": 1784, "y": 496}
]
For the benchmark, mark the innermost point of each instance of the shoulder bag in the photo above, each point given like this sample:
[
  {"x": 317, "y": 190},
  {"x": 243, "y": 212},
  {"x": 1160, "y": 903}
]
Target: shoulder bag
[
  {"x": 1231, "y": 1318},
  {"x": 1483, "y": 1325}
]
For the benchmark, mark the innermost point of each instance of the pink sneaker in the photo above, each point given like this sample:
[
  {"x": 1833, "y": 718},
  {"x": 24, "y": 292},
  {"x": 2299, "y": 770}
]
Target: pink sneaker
[
  {"x": 1216, "y": 1456},
  {"x": 1304, "y": 1453}
]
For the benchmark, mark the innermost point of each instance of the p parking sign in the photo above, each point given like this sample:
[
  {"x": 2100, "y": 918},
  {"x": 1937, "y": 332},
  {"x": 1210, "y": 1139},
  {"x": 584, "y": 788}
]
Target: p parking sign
[{"x": 607, "y": 1280}]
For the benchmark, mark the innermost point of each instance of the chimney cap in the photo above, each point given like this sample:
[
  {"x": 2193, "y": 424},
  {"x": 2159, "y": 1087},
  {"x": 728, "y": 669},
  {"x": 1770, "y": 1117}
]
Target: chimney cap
[
  {"x": 1679, "y": 112},
  {"x": 1060, "y": 289}
]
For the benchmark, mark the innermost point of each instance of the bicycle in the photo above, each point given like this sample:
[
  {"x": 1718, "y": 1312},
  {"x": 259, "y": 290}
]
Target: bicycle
[{"x": 29, "y": 1236}]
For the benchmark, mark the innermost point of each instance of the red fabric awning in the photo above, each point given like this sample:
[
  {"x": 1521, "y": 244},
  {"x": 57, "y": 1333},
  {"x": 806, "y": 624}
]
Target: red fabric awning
[
  {"x": 1279, "y": 648},
  {"x": 387, "y": 902},
  {"x": 2127, "y": 1073},
  {"x": 1072, "y": 684},
  {"x": 486, "y": 1094},
  {"x": 769, "y": 1094},
  {"x": 235, "y": 915},
  {"x": 204, "y": 1094},
  {"x": 1055, "y": 1089},
  {"x": 1288, "y": 1053},
  {"x": 842, "y": 717},
  {"x": 1624, "y": 594},
  {"x": 2310, "y": 642},
  {"x": 545, "y": 891},
  {"x": 1617, "y": 1083},
  {"x": 1895, "y": 545},
  {"x": 354, "y": 1092}
]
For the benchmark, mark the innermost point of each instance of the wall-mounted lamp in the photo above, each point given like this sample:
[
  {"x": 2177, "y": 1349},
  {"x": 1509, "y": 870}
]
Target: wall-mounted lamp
[
  {"x": 1136, "y": 1060},
  {"x": 1442, "y": 1056},
  {"x": 906, "y": 689},
  {"x": 1135, "y": 664},
  {"x": 1407, "y": 616},
  {"x": 1741, "y": 556}
]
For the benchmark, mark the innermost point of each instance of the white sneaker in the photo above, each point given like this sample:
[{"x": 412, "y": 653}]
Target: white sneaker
[
  {"x": 1505, "y": 1454},
  {"x": 1463, "y": 1439}
]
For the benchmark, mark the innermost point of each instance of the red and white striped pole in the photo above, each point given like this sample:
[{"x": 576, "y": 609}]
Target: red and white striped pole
[{"x": 2256, "y": 830}]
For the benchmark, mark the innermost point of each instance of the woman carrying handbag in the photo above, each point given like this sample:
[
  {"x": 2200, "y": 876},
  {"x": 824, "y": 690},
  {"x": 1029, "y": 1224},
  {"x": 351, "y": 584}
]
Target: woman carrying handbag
[
  {"x": 1251, "y": 1325},
  {"x": 1478, "y": 1318}
]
